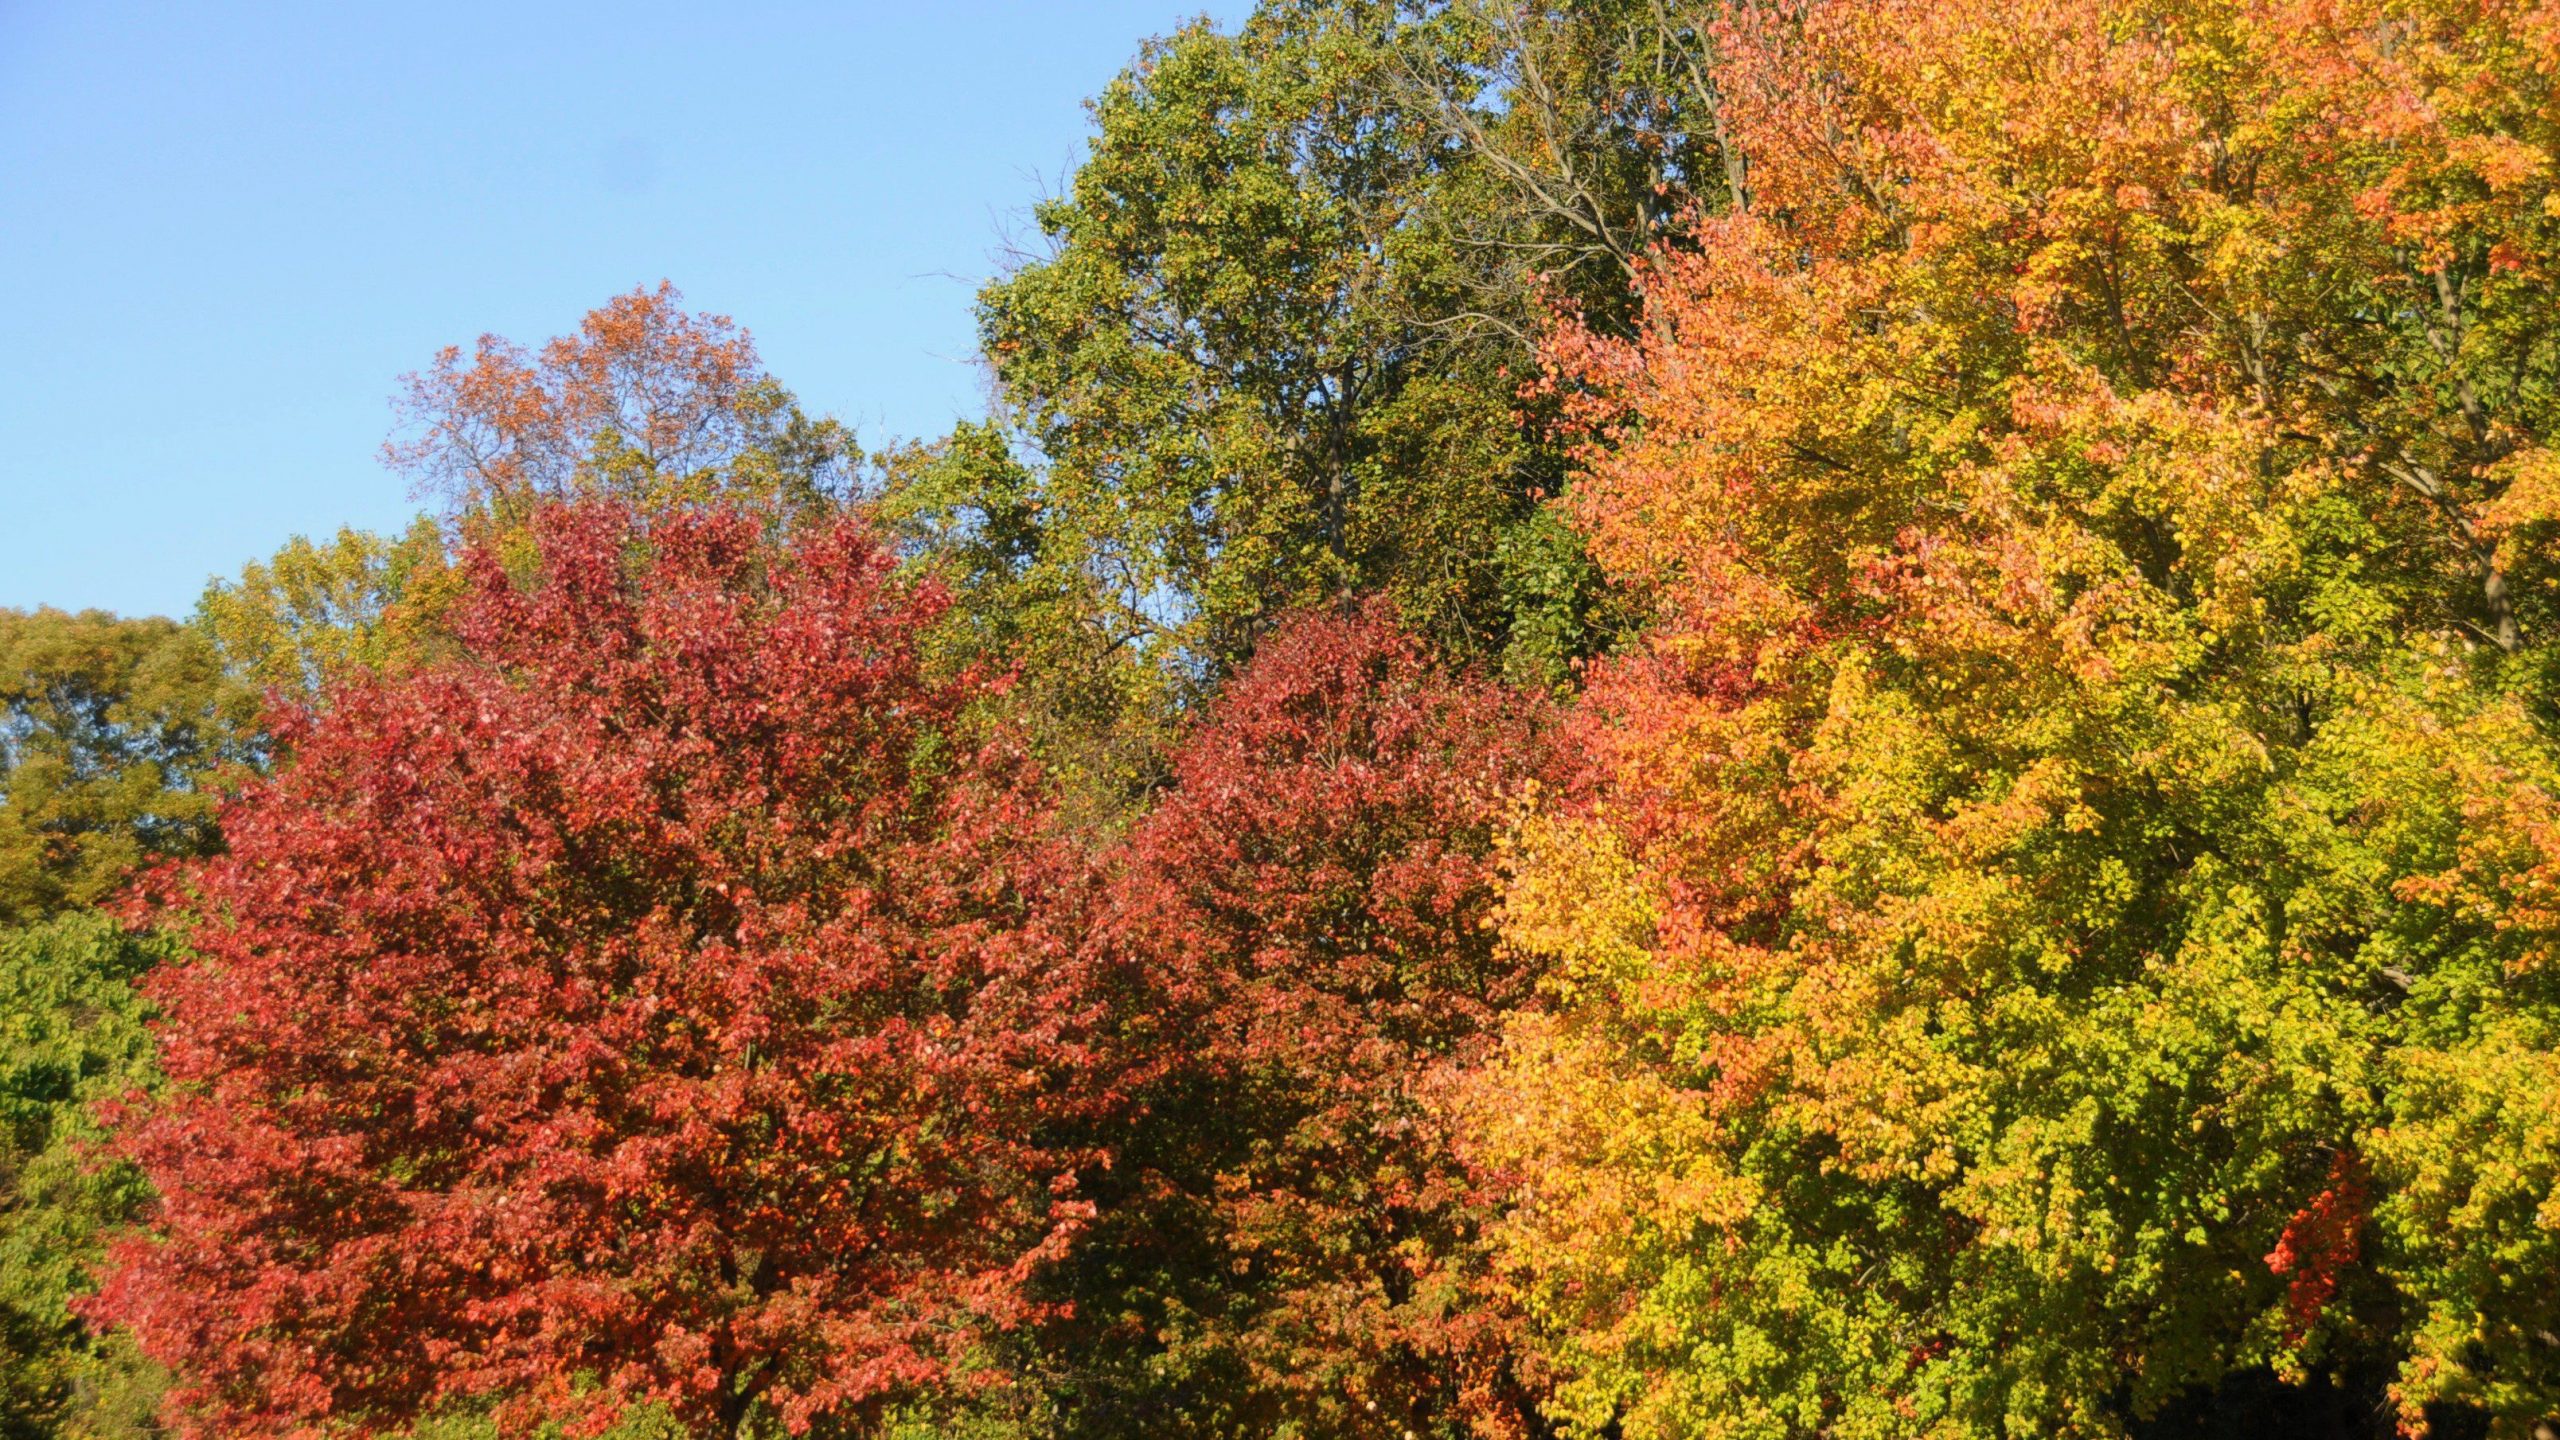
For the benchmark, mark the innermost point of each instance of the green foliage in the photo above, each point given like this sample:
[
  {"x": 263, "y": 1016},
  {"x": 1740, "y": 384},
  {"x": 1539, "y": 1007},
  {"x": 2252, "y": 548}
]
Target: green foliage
[
  {"x": 71, "y": 1035},
  {"x": 1274, "y": 348},
  {"x": 969, "y": 510},
  {"x": 110, "y": 732},
  {"x": 313, "y": 612},
  {"x": 647, "y": 1422}
]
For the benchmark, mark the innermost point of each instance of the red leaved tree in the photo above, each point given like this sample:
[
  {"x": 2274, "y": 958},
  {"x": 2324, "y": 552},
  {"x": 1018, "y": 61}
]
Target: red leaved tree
[
  {"x": 651, "y": 1004},
  {"x": 1294, "y": 1226}
]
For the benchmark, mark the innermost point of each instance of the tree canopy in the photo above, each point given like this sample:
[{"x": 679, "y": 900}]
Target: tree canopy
[
  {"x": 1292, "y": 1237},
  {"x": 652, "y": 1001},
  {"x": 111, "y": 732},
  {"x": 1639, "y": 719},
  {"x": 2024, "y": 943}
]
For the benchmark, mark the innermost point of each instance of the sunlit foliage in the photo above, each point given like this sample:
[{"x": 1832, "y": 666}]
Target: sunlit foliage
[
  {"x": 2031, "y": 945},
  {"x": 651, "y": 1002}
]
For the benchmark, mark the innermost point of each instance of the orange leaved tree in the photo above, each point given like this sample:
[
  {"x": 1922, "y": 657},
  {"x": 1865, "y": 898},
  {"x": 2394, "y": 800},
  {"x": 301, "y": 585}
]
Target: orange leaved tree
[{"x": 2063, "y": 915}]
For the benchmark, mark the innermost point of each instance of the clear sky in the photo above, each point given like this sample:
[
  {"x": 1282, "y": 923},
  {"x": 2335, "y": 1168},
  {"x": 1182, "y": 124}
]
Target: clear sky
[{"x": 226, "y": 230}]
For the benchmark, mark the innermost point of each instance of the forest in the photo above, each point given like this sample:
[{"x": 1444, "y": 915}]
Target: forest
[{"x": 1639, "y": 720}]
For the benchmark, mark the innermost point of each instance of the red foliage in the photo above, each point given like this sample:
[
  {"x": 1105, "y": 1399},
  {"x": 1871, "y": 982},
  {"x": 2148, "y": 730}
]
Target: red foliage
[
  {"x": 2320, "y": 1242},
  {"x": 1313, "y": 898},
  {"x": 651, "y": 1003}
]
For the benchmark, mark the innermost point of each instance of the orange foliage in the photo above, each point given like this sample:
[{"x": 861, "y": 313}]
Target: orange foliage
[{"x": 646, "y": 401}]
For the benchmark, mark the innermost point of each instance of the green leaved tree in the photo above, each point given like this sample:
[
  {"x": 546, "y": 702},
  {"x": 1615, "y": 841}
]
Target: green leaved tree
[{"x": 110, "y": 732}]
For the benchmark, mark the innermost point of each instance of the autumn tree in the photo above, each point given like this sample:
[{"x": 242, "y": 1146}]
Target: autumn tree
[
  {"x": 1290, "y": 1242},
  {"x": 652, "y": 1001},
  {"x": 647, "y": 403},
  {"x": 2058, "y": 921}
]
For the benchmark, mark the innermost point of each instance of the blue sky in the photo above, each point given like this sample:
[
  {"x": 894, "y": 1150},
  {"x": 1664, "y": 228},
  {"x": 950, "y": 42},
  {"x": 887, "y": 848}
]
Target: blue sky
[{"x": 228, "y": 229}]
